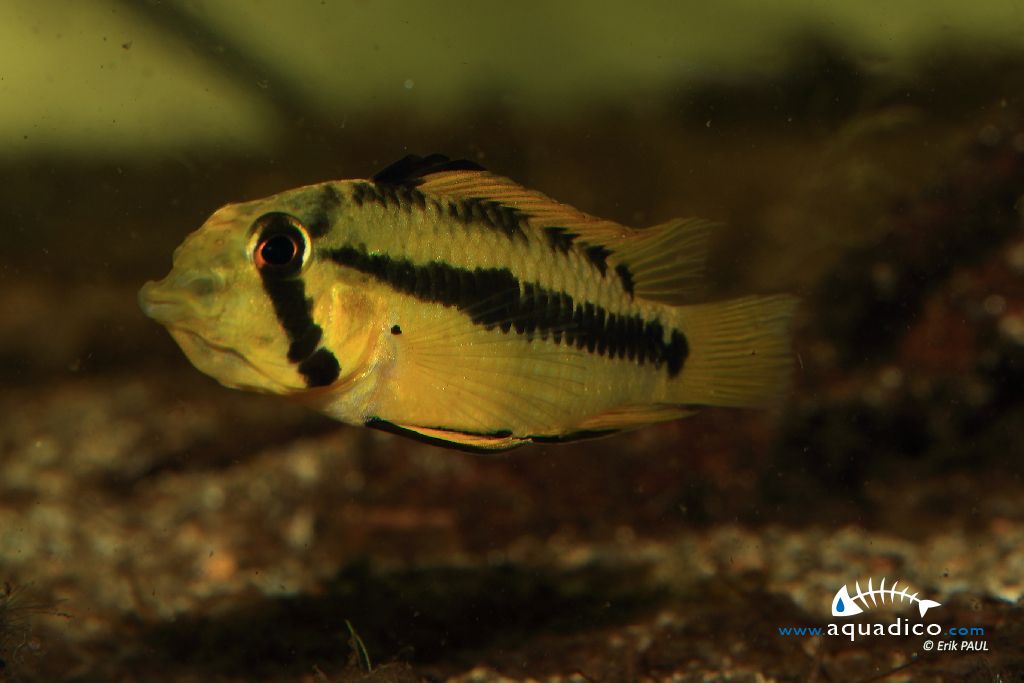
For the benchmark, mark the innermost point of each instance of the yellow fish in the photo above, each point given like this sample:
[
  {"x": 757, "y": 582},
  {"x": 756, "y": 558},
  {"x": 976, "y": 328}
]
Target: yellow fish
[{"x": 442, "y": 302}]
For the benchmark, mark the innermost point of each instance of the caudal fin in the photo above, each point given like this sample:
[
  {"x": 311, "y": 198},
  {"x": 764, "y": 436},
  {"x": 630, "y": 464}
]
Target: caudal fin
[{"x": 739, "y": 352}]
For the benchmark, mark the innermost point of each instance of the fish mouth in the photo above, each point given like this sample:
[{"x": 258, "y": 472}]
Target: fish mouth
[
  {"x": 179, "y": 298},
  {"x": 160, "y": 305}
]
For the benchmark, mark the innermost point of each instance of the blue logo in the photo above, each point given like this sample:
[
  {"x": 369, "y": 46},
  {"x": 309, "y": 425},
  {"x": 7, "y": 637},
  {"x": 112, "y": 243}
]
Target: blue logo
[{"x": 846, "y": 605}]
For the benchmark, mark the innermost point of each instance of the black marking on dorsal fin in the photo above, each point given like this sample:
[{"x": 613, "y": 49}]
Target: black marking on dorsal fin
[
  {"x": 598, "y": 255},
  {"x": 413, "y": 169},
  {"x": 560, "y": 238},
  {"x": 626, "y": 276}
]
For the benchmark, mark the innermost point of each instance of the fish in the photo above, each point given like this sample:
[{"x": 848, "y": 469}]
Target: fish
[
  {"x": 845, "y": 605},
  {"x": 442, "y": 302}
]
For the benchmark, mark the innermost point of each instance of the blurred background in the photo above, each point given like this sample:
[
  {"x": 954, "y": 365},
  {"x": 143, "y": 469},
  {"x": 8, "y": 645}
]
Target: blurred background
[{"x": 155, "y": 526}]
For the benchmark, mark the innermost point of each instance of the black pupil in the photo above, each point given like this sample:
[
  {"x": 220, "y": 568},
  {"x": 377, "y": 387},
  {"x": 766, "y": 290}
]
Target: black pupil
[{"x": 278, "y": 250}]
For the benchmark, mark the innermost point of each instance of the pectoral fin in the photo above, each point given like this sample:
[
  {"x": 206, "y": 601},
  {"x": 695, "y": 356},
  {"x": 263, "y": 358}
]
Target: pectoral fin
[{"x": 464, "y": 379}]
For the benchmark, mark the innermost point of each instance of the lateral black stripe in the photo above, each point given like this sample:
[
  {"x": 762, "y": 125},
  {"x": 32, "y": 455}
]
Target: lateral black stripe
[{"x": 494, "y": 298}]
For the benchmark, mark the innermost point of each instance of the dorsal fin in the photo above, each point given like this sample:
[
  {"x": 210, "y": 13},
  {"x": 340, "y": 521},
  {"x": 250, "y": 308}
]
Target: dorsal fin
[
  {"x": 663, "y": 263},
  {"x": 413, "y": 169},
  {"x": 542, "y": 210}
]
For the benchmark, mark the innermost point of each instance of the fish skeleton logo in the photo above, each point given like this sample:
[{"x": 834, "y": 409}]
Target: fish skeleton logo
[{"x": 846, "y": 605}]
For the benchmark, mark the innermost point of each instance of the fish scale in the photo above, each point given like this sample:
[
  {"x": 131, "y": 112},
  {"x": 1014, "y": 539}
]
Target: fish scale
[
  {"x": 408, "y": 236},
  {"x": 531, "y": 261}
]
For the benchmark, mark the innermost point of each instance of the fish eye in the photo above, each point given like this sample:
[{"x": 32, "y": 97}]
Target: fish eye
[
  {"x": 281, "y": 244},
  {"x": 276, "y": 250}
]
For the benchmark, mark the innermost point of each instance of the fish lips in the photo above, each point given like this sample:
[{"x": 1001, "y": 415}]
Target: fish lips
[
  {"x": 156, "y": 304},
  {"x": 170, "y": 304}
]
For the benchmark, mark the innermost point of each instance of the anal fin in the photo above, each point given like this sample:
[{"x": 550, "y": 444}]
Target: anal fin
[
  {"x": 447, "y": 438},
  {"x": 621, "y": 418}
]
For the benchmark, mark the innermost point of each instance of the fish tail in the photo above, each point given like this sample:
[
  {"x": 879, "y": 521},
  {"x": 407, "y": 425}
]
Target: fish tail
[{"x": 739, "y": 352}]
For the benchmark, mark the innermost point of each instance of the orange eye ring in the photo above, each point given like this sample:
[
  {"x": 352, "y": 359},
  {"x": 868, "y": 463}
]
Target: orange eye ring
[
  {"x": 282, "y": 245},
  {"x": 277, "y": 251}
]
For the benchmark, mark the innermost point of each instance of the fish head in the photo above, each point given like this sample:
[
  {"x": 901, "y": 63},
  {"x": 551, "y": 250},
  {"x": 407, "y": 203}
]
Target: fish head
[
  {"x": 843, "y": 605},
  {"x": 244, "y": 294}
]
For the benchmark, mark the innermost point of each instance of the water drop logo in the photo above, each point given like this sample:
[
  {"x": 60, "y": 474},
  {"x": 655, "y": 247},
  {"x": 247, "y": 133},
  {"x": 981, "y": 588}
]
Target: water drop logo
[{"x": 846, "y": 605}]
